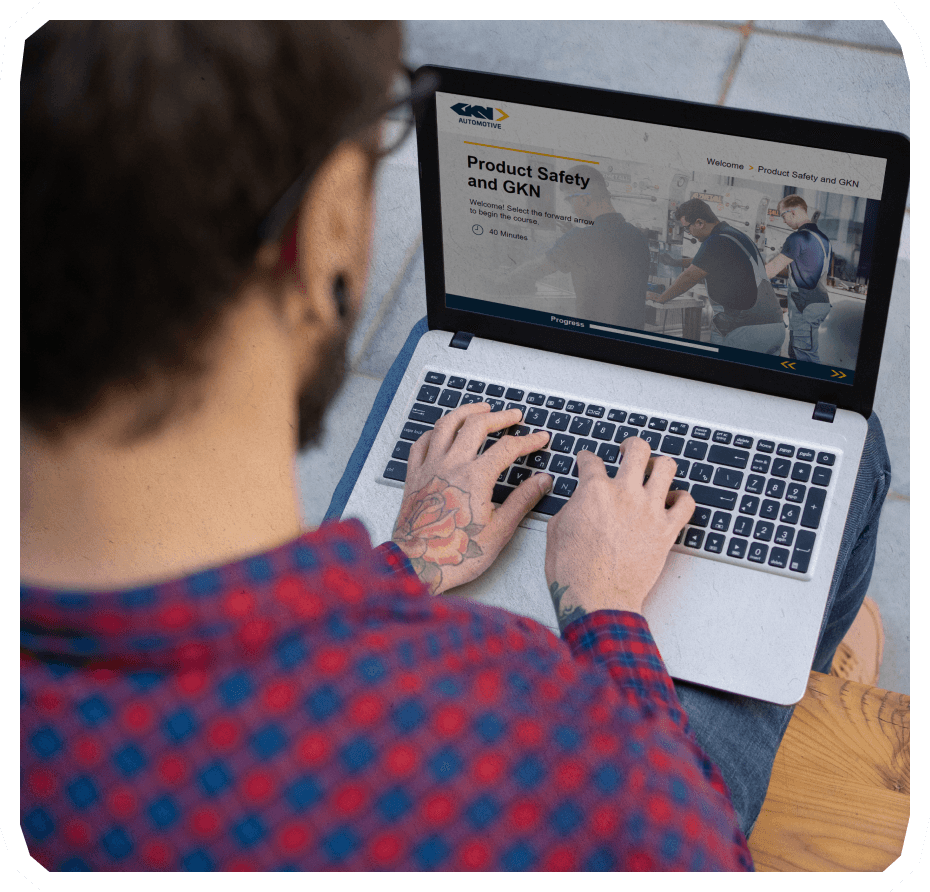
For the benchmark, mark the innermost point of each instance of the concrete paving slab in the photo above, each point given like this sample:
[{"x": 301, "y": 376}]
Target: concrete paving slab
[
  {"x": 853, "y": 86},
  {"x": 407, "y": 308},
  {"x": 893, "y": 393},
  {"x": 890, "y": 589},
  {"x": 640, "y": 57},
  {"x": 319, "y": 468},
  {"x": 396, "y": 229},
  {"x": 861, "y": 32}
]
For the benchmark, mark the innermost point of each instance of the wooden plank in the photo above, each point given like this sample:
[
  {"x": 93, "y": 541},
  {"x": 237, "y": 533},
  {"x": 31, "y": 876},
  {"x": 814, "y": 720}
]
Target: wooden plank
[{"x": 839, "y": 797}]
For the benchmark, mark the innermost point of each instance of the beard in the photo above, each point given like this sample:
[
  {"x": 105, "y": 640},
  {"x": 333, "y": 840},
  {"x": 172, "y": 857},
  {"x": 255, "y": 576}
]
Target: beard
[{"x": 321, "y": 388}]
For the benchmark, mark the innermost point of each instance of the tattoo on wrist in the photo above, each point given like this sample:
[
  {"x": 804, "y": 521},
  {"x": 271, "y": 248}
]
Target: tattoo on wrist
[
  {"x": 565, "y": 612},
  {"x": 435, "y": 530}
]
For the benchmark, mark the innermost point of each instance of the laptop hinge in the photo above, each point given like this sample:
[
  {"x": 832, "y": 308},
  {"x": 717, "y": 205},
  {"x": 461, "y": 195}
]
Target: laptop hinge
[
  {"x": 824, "y": 412},
  {"x": 461, "y": 340}
]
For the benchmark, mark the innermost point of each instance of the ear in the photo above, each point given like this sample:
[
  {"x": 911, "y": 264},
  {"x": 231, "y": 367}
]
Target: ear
[{"x": 331, "y": 240}]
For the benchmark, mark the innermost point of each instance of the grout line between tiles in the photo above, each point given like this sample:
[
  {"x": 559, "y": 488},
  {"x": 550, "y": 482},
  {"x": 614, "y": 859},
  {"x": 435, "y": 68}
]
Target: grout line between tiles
[
  {"x": 810, "y": 38},
  {"x": 745, "y": 30}
]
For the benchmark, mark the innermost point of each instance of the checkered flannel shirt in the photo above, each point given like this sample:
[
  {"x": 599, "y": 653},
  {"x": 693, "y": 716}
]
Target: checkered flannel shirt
[{"x": 314, "y": 708}]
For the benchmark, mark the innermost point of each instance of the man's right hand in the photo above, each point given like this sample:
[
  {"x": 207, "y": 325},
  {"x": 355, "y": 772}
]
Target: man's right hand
[{"x": 606, "y": 548}]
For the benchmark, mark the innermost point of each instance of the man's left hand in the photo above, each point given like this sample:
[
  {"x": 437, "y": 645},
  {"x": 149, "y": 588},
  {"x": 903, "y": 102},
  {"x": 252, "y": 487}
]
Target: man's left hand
[{"x": 447, "y": 525}]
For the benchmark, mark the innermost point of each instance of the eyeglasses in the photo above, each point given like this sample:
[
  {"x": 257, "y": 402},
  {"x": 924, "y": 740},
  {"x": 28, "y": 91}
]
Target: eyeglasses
[{"x": 408, "y": 93}]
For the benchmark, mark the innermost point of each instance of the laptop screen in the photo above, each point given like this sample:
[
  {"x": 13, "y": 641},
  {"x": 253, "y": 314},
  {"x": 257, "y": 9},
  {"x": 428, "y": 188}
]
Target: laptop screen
[{"x": 725, "y": 247}]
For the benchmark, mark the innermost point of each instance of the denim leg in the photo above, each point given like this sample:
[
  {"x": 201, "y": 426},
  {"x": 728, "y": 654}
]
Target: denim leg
[
  {"x": 766, "y": 338},
  {"x": 742, "y": 735},
  {"x": 805, "y": 326}
]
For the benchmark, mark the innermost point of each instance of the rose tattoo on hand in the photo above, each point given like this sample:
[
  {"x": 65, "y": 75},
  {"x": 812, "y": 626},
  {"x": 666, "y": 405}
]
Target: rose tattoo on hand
[{"x": 435, "y": 529}]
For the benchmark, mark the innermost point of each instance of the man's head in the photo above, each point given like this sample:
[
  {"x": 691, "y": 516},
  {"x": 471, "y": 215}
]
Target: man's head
[
  {"x": 793, "y": 210},
  {"x": 594, "y": 199},
  {"x": 151, "y": 153},
  {"x": 697, "y": 218}
]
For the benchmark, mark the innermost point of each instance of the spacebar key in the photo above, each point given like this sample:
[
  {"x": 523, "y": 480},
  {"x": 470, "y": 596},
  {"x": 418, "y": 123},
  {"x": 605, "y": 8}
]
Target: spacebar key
[
  {"x": 549, "y": 504},
  {"x": 716, "y": 498}
]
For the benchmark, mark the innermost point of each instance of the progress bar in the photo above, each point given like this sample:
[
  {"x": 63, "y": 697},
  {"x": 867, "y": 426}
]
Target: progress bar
[{"x": 636, "y": 334}]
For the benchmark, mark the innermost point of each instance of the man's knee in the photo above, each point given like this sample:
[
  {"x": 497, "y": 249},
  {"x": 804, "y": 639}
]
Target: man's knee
[{"x": 875, "y": 459}]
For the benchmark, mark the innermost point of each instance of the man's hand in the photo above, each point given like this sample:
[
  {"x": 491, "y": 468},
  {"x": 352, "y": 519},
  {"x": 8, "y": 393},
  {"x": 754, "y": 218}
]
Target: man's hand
[
  {"x": 447, "y": 525},
  {"x": 606, "y": 548}
]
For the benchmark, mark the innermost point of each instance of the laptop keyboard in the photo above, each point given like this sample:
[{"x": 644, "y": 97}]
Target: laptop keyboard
[{"x": 759, "y": 501}]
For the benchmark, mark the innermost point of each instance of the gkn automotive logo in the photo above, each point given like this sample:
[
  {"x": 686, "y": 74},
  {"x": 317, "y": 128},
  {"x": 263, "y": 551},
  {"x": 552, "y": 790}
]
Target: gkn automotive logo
[{"x": 479, "y": 115}]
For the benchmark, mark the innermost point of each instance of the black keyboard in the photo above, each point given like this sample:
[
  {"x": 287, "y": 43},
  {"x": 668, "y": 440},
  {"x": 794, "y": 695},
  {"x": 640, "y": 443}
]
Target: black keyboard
[{"x": 759, "y": 501}]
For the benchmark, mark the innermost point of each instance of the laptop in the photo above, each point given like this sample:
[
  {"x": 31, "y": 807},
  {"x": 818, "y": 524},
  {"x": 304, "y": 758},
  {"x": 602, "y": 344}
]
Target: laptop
[{"x": 767, "y": 444}]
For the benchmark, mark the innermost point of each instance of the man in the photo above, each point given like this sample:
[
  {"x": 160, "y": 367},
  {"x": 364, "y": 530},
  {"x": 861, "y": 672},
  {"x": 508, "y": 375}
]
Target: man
[
  {"x": 205, "y": 685},
  {"x": 747, "y": 313},
  {"x": 608, "y": 261},
  {"x": 807, "y": 252}
]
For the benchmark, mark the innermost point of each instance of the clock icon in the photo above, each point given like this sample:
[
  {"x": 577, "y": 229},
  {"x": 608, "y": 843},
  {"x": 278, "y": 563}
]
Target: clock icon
[{"x": 477, "y": 229}]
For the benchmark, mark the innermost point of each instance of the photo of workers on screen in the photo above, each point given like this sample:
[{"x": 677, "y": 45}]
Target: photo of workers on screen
[
  {"x": 740, "y": 263},
  {"x": 607, "y": 257}
]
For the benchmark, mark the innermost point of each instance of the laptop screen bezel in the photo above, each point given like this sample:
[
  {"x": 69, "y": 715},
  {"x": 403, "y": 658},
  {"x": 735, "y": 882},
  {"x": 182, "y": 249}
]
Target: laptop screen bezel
[{"x": 893, "y": 147}]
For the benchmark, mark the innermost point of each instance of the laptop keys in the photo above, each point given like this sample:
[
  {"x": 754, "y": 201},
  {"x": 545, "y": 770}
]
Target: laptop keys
[
  {"x": 726, "y": 455},
  {"x": 821, "y": 476},
  {"x": 426, "y": 414},
  {"x": 580, "y": 426},
  {"x": 396, "y": 470},
  {"x": 813, "y": 508},
  {"x": 558, "y": 421},
  {"x": 428, "y": 394},
  {"x": 450, "y": 398},
  {"x": 773, "y": 510},
  {"x": 803, "y": 549}
]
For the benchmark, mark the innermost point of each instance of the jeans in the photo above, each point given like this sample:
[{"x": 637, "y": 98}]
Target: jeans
[
  {"x": 767, "y": 338},
  {"x": 804, "y": 325},
  {"x": 742, "y": 735}
]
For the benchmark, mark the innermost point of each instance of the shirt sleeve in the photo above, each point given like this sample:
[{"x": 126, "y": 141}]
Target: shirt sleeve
[
  {"x": 621, "y": 642},
  {"x": 704, "y": 257},
  {"x": 394, "y": 558},
  {"x": 792, "y": 246}
]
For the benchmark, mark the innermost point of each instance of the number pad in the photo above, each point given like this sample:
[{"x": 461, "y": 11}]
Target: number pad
[{"x": 795, "y": 492}]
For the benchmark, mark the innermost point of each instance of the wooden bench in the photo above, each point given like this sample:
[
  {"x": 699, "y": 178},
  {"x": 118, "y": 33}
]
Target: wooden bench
[{"x": 839, "y": 797}]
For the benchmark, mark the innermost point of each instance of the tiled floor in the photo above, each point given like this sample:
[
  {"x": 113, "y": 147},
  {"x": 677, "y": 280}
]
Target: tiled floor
[{"x": 860, "y": 78}]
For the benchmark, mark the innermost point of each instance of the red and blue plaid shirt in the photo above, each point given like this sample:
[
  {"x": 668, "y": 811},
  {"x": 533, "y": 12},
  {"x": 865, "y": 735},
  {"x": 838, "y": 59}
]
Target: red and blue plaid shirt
[{"x": 314, "y": 708}]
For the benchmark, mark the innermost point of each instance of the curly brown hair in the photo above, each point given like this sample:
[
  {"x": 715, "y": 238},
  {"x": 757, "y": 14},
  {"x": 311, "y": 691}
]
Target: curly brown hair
[{"x": 150, "y": 153}]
